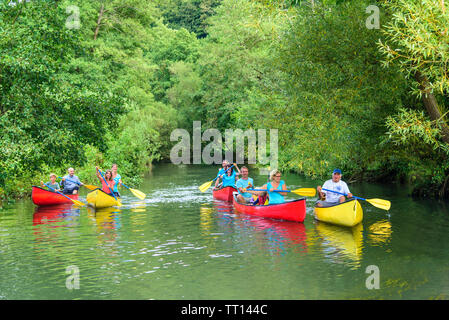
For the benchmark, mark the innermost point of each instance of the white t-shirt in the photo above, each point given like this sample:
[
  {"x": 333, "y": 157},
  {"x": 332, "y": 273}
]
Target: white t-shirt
[{"x": 339, "y": 186}]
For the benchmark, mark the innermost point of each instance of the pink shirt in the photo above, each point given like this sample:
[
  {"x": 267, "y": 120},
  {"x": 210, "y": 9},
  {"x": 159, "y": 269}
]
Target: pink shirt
[{"x": 105, "y": 186}]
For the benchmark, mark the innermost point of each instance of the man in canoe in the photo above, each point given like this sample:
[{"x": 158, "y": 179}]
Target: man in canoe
[
  {"x": 117, "y": 179},
  {"x": 328, "y": 198},
  {"x": 52, "y": 183},
  {"x": 228, "y": 177},
  {"x": 70, "y": 182},
  {"x": 244, "y": 196}
]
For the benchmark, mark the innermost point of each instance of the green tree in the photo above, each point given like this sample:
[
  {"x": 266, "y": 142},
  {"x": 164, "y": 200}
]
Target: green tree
[
  {"x": 417, "y": 42},
  {"x": 46, "y": 113},
  {"x": 189, "y": 14}
]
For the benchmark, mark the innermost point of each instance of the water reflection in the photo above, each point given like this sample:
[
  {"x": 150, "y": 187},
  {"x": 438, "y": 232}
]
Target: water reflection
[
  {"x": 107, "y": 222},
  {"x": 341, "y": 243},
  {"x": 278, "y": 236},
  {"x": 139, "y": 206},
  {"x": 105, "y": 218},
  {"x": 379, "y": 232},
  {"x": 281, "y": 235},
  {"x": 58, "y": 213},
  {"x": 206, "y": 219}
]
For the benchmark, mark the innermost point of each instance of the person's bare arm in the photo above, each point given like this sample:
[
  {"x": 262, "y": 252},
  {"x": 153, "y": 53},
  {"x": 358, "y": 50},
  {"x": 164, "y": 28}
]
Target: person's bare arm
[{"x": 284, "y": 187}]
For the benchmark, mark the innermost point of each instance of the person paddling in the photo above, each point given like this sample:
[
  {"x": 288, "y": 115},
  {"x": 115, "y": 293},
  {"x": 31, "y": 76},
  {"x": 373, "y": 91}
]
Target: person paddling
[
  {"x": 245, "y": 182},
  {"x": 52, "y": 183},
  {"x": 108, "y": 185},
  {"x": 70, "y": 182},
  {"x": 224, "y": 166},
  {"x": 229, "y": 177},
  {"x": 275, "y": 183},
  {"x": 117, "y": 179},
  {"x": 328, "y": 198}
]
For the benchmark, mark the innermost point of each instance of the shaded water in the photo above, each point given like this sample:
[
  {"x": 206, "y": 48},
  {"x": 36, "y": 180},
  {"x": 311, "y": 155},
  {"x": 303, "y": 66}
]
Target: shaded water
[{"x": 181, "y": 244}]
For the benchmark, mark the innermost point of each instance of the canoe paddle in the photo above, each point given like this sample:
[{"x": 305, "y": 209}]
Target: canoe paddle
[
  {"x": 88, "y": 186},
  {"x": 379, "y": 203},
  {"x": 207, "y": 185},
  {"x": 78, "y": 203},
  {"x": 112, "y": 193},
  {"x": 305, "y": 192},
  {"x": 139, "y": 194}
]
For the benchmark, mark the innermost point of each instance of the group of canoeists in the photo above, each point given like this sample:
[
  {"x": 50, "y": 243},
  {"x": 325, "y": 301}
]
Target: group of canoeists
[
  {"x": 233, "y": 176},
  {"x": 336, "y": 204},
  {"x": 71, "y": 183},
  {"x": 67, "y": 190}
]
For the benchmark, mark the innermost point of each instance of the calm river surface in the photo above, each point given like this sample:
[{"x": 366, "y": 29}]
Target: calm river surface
[{"x": 181, "y": 244}]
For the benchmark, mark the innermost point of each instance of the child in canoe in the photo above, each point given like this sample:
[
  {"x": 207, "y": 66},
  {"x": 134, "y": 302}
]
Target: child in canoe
[
  {"x": 52, "y": 183},
  {"x": 108, "y": 185}
]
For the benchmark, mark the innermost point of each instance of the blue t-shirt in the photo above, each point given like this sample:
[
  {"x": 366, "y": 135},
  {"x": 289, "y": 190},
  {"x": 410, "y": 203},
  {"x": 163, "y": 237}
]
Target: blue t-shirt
[
  {"x": 116, "y": 179},
  {"x": 229, "y": 181},
  {"x": 244, "y": 184},
  {"x": 220, "y": 172},
  {"x": 275, "y": 197}
]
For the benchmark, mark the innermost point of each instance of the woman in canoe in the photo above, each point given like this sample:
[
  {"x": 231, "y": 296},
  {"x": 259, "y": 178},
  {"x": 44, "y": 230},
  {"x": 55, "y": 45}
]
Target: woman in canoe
[
  {"x": 52, "y": 183},
  {"x": 229, "y": 178},
  {"x": 108, "y": 185},
  {"x": 224, "y": 166},
  {"x": 275, "y": 183},
  {"x": 117, "y": 179}
]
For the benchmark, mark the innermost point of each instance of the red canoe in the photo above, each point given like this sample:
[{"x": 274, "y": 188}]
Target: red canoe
[
  {"x": 224, "y": 194},
  {"x": 42, "y": 197},
  {"x": 291, "y": 211}
]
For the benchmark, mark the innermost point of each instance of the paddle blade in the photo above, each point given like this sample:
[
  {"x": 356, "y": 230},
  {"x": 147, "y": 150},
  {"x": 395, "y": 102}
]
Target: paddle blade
[
  {"x": 78, "y": 203},
  {"x": 139, "y": 194},
  {"x": 90, "y": 187},
  {"x": 205, "y": 186},
  {"x": 380, "y": 203},
  {"x": 305, "y": 192}
]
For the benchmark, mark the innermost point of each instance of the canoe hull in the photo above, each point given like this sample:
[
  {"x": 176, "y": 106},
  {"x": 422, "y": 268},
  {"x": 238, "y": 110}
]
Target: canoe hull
[
  {"x": 99, "y": 199},
  {"x": 290, "y": 211},
  {"x": 224, "y": 194},
  {"x": 42, "y": 197},
  {"x": 348, "y": 214}
]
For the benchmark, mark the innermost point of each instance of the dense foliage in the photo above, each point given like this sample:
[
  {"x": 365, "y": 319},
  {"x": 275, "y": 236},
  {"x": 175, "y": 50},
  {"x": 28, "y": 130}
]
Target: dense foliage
[{"x": 85, "y": 83}]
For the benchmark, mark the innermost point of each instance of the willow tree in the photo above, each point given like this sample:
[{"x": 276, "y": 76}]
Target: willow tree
[
  {"x": 337, "y": 95},
  {"x": 417, "y": 41}
]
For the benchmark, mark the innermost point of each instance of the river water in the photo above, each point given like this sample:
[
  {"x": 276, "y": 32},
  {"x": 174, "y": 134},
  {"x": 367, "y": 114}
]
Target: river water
[{"x": 179, "y": 243}]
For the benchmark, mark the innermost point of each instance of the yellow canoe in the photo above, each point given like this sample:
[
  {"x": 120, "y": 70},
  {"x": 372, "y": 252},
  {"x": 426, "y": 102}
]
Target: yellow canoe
[
  {"x": 99, "y": 199},
  {"x": 348, "y": 214}
]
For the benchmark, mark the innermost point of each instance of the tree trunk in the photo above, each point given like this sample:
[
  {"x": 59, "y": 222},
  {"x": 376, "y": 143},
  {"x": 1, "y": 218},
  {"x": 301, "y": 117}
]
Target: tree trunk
[
  {"x": 431, "y": 105},
  {"x": 100, "y": 16}
]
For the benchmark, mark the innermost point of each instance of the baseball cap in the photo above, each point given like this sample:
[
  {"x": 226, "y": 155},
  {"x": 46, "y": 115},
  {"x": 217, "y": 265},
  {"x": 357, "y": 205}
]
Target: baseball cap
[{"x": 337, "y": 171}]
